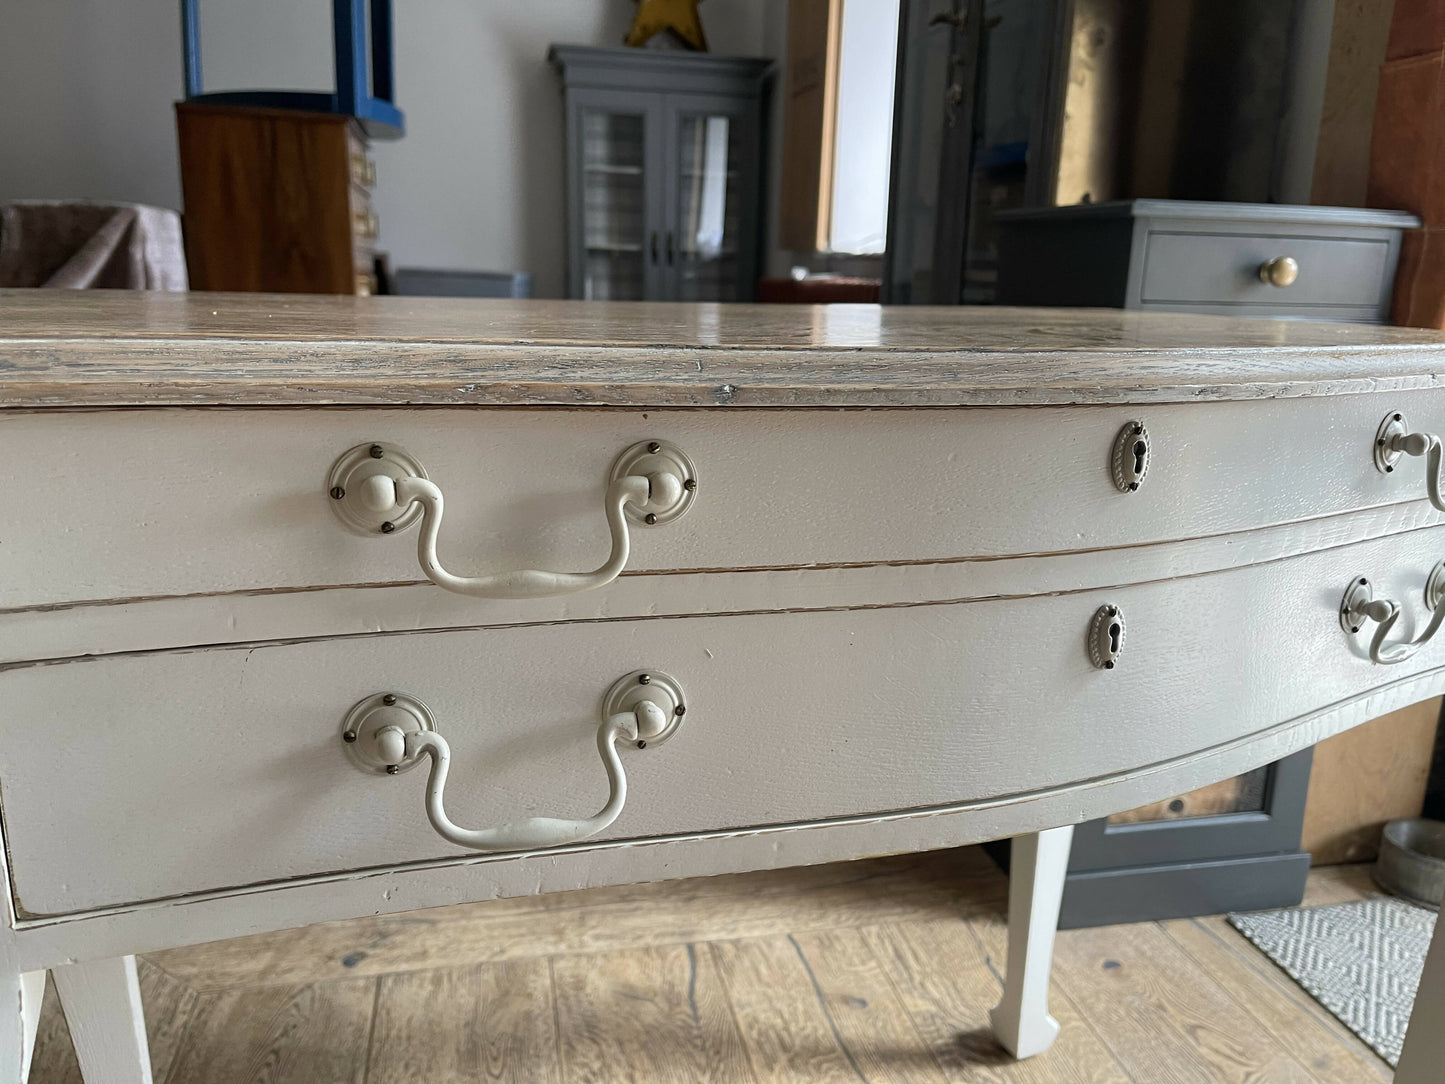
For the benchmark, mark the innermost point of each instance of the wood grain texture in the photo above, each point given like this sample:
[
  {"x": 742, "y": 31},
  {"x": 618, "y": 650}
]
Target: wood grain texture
[
  {"x": 810, "y": 104},
  {"x": 1240, "y": 793},
  {"x": 269, "y": 202},
  {"x": 611, "y": 919},
  {"x": 1357, "y": 49},
  {"x": 939, "y": 967},
  {"x": 949, "y": 1006},
  {"x": 122, "y": 348},
  {"x": 787, "y": 1030},
  {"x": 1295, "y": 1021},
  {"x": 1165, "y": 1019},
  {"x": 662, "y": 1012},
  {"x": 462, "y": 1025},
  {"x": 1364, "y": 777},
  {"x": 313, "y": 1034},
  {"x": 818, "y": 1006}
]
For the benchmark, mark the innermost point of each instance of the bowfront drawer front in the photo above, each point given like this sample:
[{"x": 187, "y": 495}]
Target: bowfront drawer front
[
  {"x": 239, "y": 773},
  {"x": 173, "y": 502},
  {"x": 1252, "y": 269}
]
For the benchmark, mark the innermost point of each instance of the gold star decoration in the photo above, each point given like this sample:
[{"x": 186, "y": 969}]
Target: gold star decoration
[{"x": 679, "y": 16}]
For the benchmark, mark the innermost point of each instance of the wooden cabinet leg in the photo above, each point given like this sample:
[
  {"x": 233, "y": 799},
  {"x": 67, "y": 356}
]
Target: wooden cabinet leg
[
  {"x": 1021, "y": 1022},
  {"x": 102, "y": 1006},
  {"x": 1424, "y": 1051},
  {"x": 32, "y": 995}
]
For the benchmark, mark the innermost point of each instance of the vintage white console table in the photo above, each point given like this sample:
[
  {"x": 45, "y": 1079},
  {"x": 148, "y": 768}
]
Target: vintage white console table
[{"x": 826, "y": 583}]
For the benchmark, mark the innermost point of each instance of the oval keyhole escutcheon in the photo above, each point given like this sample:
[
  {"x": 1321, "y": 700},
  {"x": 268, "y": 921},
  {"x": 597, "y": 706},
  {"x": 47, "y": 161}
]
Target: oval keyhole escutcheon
[
  {"x": 1129, "y": 462},
  {"x": 1106, "y": 637}
]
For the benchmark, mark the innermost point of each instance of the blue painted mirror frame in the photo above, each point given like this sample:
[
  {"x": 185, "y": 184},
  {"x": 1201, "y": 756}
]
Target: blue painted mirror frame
[{"x": 364, "y": 85}]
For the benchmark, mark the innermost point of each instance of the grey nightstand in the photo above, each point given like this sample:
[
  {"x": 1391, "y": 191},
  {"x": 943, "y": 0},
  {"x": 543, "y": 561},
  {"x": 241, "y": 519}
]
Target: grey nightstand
[{"x": 1226, "y": 258}]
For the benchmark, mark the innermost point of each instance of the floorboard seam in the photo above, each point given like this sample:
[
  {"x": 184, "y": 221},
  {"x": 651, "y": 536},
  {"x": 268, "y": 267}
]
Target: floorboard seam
[
  {"x": 1301, "y": 1001},
  {"x": 556, "y": 1018},
  {"x": 1057, "y": 983},
  {"x": 733, "y": 1009},
  {"x": 882, "y": 966},
  {"x": 371, "y": 1028},
  {"x": 827, "y": 1013}
]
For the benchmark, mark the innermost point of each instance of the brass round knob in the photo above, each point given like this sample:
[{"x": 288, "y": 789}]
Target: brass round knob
[{"x": 1280, "y": 271}]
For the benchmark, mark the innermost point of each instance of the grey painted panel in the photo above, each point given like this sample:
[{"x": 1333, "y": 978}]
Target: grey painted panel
[
  {"x": 1345, "y": 314},
  {"x": 1224, "y": 267},
  {"x": 1180, "y": 256},
  {"x": 1257, "y": 217},
  {"x": 1079, "y": 263},
  {"x": 1183, "y": 889},
  {"x": 660, "y": 70},
  {"x": 1099, "y": 845}
]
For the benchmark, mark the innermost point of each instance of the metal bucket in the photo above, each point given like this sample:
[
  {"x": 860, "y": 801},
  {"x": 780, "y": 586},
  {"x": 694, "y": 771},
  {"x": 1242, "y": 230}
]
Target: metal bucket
[{"x": 1412, "y": 860}]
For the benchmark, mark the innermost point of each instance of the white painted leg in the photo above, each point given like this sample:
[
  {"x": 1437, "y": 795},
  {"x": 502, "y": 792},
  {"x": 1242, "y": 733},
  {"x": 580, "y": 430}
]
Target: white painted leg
[
  {"x": 32, "y": 994},
  {"x": 12, "y": 1027},
  {"x": 1424, "y": 1051},
  {"x": 102, "y": 1007},
  {"x": 1021, "y": 1022}
]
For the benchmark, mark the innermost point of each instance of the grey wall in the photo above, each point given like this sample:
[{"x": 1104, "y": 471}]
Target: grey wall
[{"x": 476, "y": 183}]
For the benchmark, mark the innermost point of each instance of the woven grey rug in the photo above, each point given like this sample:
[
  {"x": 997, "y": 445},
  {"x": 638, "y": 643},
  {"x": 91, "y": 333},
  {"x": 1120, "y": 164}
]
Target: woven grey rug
[{"x": 1360, "y": 960}]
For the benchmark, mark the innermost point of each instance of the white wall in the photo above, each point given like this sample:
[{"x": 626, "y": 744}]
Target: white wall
[{"x": 477, "y": 182}]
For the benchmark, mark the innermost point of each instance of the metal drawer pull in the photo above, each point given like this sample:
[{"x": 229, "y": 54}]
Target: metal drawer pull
[
  {"x": 1394, "y": 439},
  {"x": 1360, "y": 606},
  {"x": 391, "y": 732},
  {"x": 380, "y": 489},
  {"x": 1280, "y": 271}
]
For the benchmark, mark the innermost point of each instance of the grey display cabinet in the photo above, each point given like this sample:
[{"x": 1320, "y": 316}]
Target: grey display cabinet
[
  {"x": 664, "y": 173},
  {"x": 1181, "y": 256}
]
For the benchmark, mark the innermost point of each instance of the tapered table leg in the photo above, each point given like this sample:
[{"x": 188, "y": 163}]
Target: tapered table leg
[
  {"x": 1021, "y": 1022},
  {"x": 101, "y": 999},
  {"x": 1422, "y": 1061},
  {"x": 32, "y": 994}
]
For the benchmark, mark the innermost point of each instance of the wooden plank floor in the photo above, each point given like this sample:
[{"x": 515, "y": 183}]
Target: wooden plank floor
[{"x": 882, "y": 970}]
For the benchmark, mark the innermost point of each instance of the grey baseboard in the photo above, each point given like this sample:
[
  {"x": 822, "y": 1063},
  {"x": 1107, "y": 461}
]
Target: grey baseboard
[{"x": 1183, "y": 889}]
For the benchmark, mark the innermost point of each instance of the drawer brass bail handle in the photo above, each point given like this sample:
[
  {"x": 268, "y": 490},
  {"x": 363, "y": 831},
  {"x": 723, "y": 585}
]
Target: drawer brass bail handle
[
  {"x": 1394, "y": 439},
  {"x": 390, "y": 733},
  {"x": 1360, "y": 606},
  {"x": 380, "y": 489}
]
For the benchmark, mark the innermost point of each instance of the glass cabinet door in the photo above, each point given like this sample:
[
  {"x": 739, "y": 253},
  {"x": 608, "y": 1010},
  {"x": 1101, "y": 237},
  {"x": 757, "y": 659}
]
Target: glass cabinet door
[
  {"x": 612, "y": 152},
  {"x": 709, "y": 253}
]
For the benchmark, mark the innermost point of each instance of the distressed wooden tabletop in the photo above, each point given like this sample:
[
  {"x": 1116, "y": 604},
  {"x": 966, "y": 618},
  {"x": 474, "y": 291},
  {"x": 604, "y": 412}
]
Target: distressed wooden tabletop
[{"x": 104, "y": 348}]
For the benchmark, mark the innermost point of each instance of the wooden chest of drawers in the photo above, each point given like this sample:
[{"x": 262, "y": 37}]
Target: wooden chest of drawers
[
  {"x": 832, "y": 582},
  {"x": 276, "y": 200}
]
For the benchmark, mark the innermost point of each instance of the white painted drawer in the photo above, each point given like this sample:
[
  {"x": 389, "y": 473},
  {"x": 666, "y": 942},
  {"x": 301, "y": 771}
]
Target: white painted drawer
[
  {"x": 135, "y": 778},
  {"x": 132, "y": 504}
]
